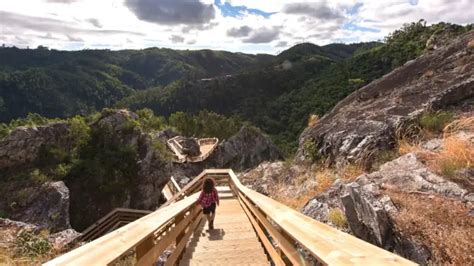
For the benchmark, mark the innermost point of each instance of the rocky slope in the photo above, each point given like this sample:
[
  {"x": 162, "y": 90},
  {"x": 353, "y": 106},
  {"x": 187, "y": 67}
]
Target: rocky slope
[
  {"x": 366, "y": 121},
  {"x": 121, "y": 165},
  {"x": 419, "y": 201}
]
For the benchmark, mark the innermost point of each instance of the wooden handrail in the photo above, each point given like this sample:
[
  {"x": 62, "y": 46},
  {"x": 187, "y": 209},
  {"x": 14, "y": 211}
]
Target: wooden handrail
[
  {"x": 290, "y": 231},
  {"x": 112, "y": 246},
  {"x": 327, "y": 244}
]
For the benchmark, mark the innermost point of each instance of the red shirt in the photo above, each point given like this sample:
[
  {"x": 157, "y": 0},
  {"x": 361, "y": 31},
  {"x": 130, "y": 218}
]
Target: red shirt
[{"x": 206, "y": 199}]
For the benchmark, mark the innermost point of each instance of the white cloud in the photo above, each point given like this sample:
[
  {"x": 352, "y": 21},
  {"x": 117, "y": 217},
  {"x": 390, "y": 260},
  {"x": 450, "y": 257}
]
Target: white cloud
[{"x": 78, "y": 24}]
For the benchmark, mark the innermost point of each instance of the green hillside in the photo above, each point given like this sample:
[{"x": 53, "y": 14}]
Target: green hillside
[
  {"x": 275, "y": 93},
  {"x": 305, "y": 79},
  {"x": 60, "y": 84}
]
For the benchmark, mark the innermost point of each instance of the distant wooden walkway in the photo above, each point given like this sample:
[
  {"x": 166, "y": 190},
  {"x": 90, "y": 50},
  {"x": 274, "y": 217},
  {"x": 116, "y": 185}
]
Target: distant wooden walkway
[
  {"x": 206, "y": 147},
  {"x": 232, "y": 242}
]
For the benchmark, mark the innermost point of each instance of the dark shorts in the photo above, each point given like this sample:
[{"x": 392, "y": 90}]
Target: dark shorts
[{"x": 210, "y": 209}]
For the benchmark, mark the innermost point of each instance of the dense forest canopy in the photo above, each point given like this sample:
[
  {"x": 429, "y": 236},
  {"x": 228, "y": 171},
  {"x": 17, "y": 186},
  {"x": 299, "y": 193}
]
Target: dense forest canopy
[{"x": 274, "y": 93}]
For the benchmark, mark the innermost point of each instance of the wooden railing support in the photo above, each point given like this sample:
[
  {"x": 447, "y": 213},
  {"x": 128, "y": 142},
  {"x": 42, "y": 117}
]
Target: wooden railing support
[{"x": 178, "y": 219}]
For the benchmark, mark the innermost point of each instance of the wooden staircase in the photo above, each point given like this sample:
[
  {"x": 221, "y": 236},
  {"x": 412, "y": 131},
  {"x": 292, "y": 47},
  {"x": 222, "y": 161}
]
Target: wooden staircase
[
  {"x": 232, "y": 242},
  {"x": 250, "y": 229}
]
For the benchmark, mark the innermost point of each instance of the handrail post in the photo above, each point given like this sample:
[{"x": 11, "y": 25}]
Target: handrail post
[
  {"x": 142, "y": 249},
  {"x": 180, "y": 236}
]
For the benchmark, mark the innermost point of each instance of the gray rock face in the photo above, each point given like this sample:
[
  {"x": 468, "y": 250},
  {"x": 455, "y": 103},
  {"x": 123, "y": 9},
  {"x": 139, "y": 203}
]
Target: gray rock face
[
  {"x": 154, "y": 171},
  {"x": 370, "y": 212},
  {"x": 48, "y": 208},
  {"x": 10, "y": 229},
  {"x": 268, "y": 175},
  {"x": 21, "y": 147},
  {"x": 245, "y": 150},
  {"x": 52, "y": 206},
  {"x": 408, "y": 174},
  {"x": 366, "y": 120}
]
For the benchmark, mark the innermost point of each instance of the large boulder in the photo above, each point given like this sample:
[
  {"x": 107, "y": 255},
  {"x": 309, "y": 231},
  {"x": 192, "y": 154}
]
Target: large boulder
[
  {"x": 48, "y": 209},
  {"x": 366, "y": 121},
  {"x": 153, "y": 171},
  {"x": 11, "y": 230},
  {"x": 246, "y": 149},
  {"x": 370, "y": 211}
]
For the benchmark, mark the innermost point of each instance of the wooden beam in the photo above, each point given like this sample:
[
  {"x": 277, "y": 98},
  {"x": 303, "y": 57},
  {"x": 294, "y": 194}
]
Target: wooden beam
[
  {"x": 327, "y": 244},
  {"x": 288, "y": 247},
  {"x": 110, "y": 247},
  {"x": 274, "y": 255},
  {"x": 165, "y": 240},
  {"x": 180, "y": 246}
]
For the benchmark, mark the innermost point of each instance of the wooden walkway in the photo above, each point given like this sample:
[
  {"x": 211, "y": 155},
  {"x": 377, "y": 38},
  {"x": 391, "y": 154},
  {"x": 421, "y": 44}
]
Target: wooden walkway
[{"x": 232, "y": 242}]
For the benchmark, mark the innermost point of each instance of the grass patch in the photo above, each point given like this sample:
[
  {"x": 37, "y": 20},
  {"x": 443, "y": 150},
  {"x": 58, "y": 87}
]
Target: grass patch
[
  {"x": 435, "y": 122},
  {"x": 31, "y": 245},
  {"x": 456, "y": 154},
  {"x": 442, "y": 224},
  {"x": 338, "y": 218}
]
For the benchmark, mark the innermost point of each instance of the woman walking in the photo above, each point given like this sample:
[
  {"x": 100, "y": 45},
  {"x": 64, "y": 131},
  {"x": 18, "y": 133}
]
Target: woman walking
[{"x": 208, "y": 200}]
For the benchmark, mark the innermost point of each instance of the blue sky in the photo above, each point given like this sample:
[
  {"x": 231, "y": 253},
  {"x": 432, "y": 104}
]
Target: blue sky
[{"x": 251, "y": 26}]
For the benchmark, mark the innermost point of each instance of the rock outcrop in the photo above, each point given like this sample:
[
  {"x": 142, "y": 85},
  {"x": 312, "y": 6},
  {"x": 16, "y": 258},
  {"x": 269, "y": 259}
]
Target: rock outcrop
[
  {"x": 153, "y": 171},
  {"x": 370, "y": 211},
  {"x": 48, "y": 208},
  {"x": 245, "y": 150},
  {"x": 366, "y": 121},
  {"x": 22, "y": 146},
  {"x": 10, "y": 231},
  {"x": 84, "y": 196}
]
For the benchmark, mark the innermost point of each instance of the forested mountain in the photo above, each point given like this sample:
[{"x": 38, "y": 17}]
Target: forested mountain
[
  {"x": 306, "y": 79},
  {"x": 60, "y": 83},
  {"x": 275, "y": 93}
]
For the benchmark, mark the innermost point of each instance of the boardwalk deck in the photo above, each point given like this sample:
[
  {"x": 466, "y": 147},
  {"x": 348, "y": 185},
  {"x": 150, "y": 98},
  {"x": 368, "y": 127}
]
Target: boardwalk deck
[{"x": 232, "y": 242}]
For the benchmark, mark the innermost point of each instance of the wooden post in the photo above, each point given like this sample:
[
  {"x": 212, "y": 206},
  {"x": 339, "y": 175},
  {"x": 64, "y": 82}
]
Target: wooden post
[
  {"x": 144, "y": 247},
  {"x": 180, "y": 236}
]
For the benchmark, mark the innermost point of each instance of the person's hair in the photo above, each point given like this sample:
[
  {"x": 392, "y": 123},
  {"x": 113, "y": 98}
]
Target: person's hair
[{"x": 208, "y": 185}]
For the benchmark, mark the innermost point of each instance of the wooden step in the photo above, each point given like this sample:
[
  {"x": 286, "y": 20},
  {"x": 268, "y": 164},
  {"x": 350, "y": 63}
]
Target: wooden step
[
  {"x": 242, "y": 260},
  {"x": 228, "y": 253},
  {"x": 204, "y": 249},
  {"x": 227, "y": 243},
  {"x": 232, "y": 242}
]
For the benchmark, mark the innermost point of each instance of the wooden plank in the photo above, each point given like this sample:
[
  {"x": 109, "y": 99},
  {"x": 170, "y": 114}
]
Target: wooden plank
[
  {"x": 327, "y": 244},
  {"x": 288, "y": 247},
  {"x": 151, "y": 255},
  {"x": 186, "y": 190},
  {"x": 167, "y": 192},
  {"x": 263, "y": 238},
  {"x": 175, "y": 184},
  {"x": 182, "y": 244},
  {"x": 108, "y": 248}
]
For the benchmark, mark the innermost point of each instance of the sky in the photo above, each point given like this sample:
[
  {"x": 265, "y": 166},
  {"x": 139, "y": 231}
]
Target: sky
[{"x": 249, "y": 26}]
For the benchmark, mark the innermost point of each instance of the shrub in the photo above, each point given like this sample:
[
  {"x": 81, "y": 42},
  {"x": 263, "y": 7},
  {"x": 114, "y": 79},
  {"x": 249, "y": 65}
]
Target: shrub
[
  {"x": 311, "y": 151},
  {"x": 3, "y": 214},
  {"x": 435, "y": 122},
  {"x": 31, "y": 245},
  {"x": 148, "y": 121},
  {"x": 4, "y": 130},
  {"x": 337, "y": 218},
  {"x": 39, "y": 177},
  {"x": 50, "y": 155},
  {"x": 159, "y": 146},
  {"x": 79, "y": 131}
]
